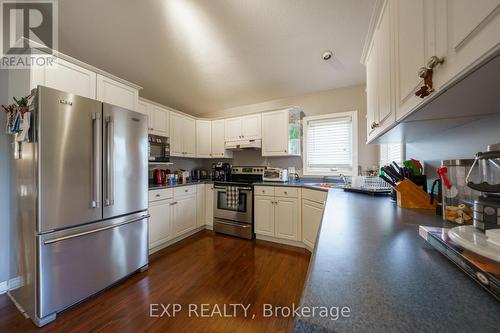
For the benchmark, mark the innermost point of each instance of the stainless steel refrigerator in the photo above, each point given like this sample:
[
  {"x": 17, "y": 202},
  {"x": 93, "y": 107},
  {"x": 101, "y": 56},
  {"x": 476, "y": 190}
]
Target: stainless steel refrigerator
[{"x": 82, "y": 200}]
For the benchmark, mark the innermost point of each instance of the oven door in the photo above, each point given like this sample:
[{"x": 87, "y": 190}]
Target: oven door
[{"x": 244, "y": 212}]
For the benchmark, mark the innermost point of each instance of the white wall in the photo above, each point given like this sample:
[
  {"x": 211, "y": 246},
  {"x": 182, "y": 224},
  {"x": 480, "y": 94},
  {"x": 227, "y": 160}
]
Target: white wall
[
  {"x": 4, "y": 185},
  {"x": 331, "y": 101}
]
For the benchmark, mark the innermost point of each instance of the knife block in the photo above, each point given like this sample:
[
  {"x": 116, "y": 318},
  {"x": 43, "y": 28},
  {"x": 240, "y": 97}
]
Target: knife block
[{"x": 409, "y": 195}]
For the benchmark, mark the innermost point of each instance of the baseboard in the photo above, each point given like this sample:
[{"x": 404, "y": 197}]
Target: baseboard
[
  {"x": 175, "y": 240},
  {"x": 209, "y": 227},
  {"x": 4, "y": 287},
  {"x": 281, "y": 241}
]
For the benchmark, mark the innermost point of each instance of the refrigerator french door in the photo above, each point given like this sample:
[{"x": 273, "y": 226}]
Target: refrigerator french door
[{"x": 88, "y": 171}]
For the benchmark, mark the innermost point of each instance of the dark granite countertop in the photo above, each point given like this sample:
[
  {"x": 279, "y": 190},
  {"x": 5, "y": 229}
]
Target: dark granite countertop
[
  {"x": 370, "y": 258},
  {"x": 159, "y": 187}
]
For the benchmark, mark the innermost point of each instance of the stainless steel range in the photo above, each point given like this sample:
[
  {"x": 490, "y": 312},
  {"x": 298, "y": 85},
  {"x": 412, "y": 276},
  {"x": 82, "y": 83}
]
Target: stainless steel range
[{"x": 233, "y": 202}]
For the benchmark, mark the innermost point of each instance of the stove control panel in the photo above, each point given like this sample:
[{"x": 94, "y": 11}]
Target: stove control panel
[{"x": 248, "y": 170}]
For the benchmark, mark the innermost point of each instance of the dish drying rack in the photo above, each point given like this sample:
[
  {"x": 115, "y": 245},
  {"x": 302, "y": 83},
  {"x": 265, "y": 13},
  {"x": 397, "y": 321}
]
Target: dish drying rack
[{"x": 373, "y": 185}]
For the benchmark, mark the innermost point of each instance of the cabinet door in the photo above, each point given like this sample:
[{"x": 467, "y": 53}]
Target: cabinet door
[
  {"x": 176, "y": 134},
  {"x": 142, "y": 107},
  {"x": 232, "y": 129},
  {"x": 264, "y": 215},
  {"x": 66, "y": 77},
  {"x": 159, "y": 222},
  {"x": 468, "y": 31},
  {"x": 218, "y": 140},
  {"x": 209, "y": 204},
  {"x": 372, "y": 90},
  {"x": 286, "y": 215},
  {"x": 189, "y": 137},
  {"x": 412, "y": 39},
  {"x": 312, "y": 213},
  {"x": 204, "y": 138},
  {"x": 116, "y": 93},
  {"x": 200, "y": 205},
  {"x": 385, "y": 58},
  {"x": 251, "y": 127},
  {"x": 275, "y": 133},
  {"x": 159, "y": 123},
  {"x": 184, "y": 217}
]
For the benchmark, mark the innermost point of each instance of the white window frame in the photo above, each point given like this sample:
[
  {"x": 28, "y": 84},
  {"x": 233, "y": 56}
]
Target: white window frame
[{"x": 312, "y": 172}]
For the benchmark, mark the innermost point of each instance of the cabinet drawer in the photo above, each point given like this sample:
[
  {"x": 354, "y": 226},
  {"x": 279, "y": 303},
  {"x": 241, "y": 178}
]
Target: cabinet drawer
[
  {"x": 182, "y": 191},
  {"x": 314, "y": 195},
  {"x": 289, "y": 192},
  {"x": 264, "y": 190},
  {"x": 162, "y": 194}
]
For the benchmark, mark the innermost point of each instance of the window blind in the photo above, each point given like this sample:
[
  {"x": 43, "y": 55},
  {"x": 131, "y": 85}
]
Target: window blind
[
  {"x": 329, "y": 143},
  {"x": 391, "y": 152}
]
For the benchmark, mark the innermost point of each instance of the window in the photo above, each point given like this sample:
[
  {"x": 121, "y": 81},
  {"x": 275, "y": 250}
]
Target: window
[
  {"x": 390, "y": 152},
  {"x": 331, "y": 144}
]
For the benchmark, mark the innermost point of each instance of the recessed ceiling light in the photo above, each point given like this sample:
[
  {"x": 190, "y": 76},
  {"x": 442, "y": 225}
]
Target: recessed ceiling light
[{"x": 327, "y": 55}]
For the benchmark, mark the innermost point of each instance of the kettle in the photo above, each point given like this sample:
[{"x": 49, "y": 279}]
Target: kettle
[{"x": 158, "y": 176}]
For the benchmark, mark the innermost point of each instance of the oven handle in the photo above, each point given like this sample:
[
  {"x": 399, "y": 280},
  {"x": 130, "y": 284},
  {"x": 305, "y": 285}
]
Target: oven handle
[{"x": 241, "y": 225}]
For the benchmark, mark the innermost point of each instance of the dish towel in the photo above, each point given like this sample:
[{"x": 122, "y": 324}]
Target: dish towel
[{"x": 232, "y": 197}]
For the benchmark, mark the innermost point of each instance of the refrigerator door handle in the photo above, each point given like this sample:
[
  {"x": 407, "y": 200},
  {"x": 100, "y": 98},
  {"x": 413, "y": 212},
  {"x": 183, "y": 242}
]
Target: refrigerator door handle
[
  {"x": 55, "y": 240},
  {"x": 109, "y": 162},
  {"x": 96, "y": 160}
]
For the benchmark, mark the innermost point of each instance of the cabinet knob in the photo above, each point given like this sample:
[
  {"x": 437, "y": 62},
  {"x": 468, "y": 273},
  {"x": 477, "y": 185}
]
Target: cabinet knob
[
  {"x": 157, "y": 195},
  {"x": 285, "y": 193},
  {"x": 434, "y": 61},
  {"x": 374, "y": 125}
]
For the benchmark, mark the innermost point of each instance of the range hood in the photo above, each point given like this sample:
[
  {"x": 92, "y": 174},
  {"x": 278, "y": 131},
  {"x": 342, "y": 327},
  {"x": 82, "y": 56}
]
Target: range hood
[{"x": 243, "y": 144}]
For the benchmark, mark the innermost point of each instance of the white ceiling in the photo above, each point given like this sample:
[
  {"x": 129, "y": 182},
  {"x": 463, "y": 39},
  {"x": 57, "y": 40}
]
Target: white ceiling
[{"x": 204, "y": 55}]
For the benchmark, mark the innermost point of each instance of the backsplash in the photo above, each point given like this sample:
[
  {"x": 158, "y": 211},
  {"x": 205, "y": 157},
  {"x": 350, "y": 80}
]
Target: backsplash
[{"x": 458, "y": 143}]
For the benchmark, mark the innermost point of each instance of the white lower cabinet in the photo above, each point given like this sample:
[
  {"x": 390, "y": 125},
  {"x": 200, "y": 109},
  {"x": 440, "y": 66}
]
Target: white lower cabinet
[
  {"x": 277, "y": 216},
  {"x": 159, "y": 222},
  {"x": 286, "y": 219},
  {"x": 209, "y": 204},
  {"x": 200, "y": 205},
  {"x": 312, "y": 212},
  {"x": 184, "y": 215},
  {"x": 264, "y": 215}
]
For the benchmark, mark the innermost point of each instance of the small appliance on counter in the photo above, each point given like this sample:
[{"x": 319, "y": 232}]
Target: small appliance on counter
[
  {"x": 221, "y": 171},
  {"x": 456, "y": 195},
  {"x": 199, "y": 174},
  {"x": 275, "y": 175},
  {"x": 158, "y": 149},
  {"x": 475, "y": 248}
]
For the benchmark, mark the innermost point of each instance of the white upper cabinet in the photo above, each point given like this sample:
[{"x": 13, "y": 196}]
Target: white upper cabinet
[
  {"x": 182, "y": 135},
  {"x": 414, "y": 41},
  {"x": 415, "y": 38},
  {"x": 218, "y": 131},
  {"x": 158, "y": 120},
  {"x": 467, "y": 33},
  {"x": 66, "y": 76},
  {"x": 379, "y": 76},
  {"x": 281, "y": 132},
  {"x": 204, "y": 138},
  {"x": 157, "y": 117},
  {"x": 142, "y": 107},
  {"x": 116, "y": 93},
  {"x": 243, "y": 128},
  {"x": 251, "y": 127},
  {"x": 232, "y": 129}
]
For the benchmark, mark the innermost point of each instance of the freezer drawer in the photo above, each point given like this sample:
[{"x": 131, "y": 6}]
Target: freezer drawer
[{"x": 73, "y": 266}]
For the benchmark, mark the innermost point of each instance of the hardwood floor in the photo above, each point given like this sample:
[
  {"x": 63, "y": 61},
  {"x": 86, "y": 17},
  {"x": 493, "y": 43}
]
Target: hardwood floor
[{"x": 206, "y": 268}]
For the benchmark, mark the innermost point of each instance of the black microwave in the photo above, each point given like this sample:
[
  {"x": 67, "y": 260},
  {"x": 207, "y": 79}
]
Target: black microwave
[{"x": 158, "y": 148}]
